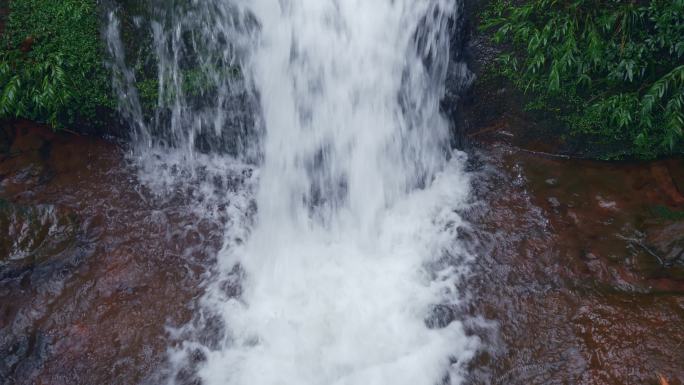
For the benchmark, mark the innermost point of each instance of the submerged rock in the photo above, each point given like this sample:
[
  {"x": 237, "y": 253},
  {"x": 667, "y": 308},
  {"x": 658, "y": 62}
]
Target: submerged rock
[{"x": 32, "y": 235}]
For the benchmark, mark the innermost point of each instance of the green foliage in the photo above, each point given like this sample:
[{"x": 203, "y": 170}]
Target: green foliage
[
  {"x": 195, "y": 82},
  {"x": 51, "y": 63},
  {"x": 612, "y": 68}
]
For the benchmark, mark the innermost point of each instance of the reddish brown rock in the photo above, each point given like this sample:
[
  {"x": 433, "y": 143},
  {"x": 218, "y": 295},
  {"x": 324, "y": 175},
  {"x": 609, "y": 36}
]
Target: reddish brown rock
[
  {"x": 102, "y": 290},
  {"x": 27, "y": 136},
  {"x": 676, "y": 168},
  {"x": 661, "y": 174}
]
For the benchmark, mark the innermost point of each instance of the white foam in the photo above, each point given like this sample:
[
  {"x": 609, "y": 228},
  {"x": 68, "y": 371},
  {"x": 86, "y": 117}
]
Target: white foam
[
  {"x": 356, "y": 199},
  {"x": 357, "y": 193},
  {"x": 329, "y": 307}
]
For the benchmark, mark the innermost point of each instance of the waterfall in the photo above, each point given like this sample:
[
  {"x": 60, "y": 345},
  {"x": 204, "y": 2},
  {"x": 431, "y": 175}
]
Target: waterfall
[{"x": 348, "y": 270}]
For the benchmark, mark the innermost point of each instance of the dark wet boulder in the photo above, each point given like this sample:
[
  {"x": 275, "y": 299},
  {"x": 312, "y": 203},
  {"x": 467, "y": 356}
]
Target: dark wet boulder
[{"x": 668, "y": 244}]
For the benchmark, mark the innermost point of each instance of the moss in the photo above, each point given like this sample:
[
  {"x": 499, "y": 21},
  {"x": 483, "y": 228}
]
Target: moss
[
  {"x": 141, "y": 57},
  {"x": 51, "y": 63}
]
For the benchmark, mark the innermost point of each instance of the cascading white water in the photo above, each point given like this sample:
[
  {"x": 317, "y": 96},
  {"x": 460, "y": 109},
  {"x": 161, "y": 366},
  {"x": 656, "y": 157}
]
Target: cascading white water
[
  {"x": 354, "y": 243},
  {"x": 202, "y": 116}
]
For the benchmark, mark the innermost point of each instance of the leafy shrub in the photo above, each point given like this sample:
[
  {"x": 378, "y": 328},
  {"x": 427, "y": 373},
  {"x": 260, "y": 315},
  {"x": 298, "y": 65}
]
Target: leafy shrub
[
  {"x": 51, "y": 63},
  {"x": 610, "y": 68}
]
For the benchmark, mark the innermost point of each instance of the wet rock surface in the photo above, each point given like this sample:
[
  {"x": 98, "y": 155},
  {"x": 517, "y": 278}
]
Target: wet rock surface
[
  {"x": 579, "y": 276},
  {"x": 93, "y": 266},
  {"x": 579, "y": 269}
]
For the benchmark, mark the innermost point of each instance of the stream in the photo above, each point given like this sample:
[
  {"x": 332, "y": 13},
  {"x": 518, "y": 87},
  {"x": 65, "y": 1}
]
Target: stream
[{"x": 295, "y": 211}]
